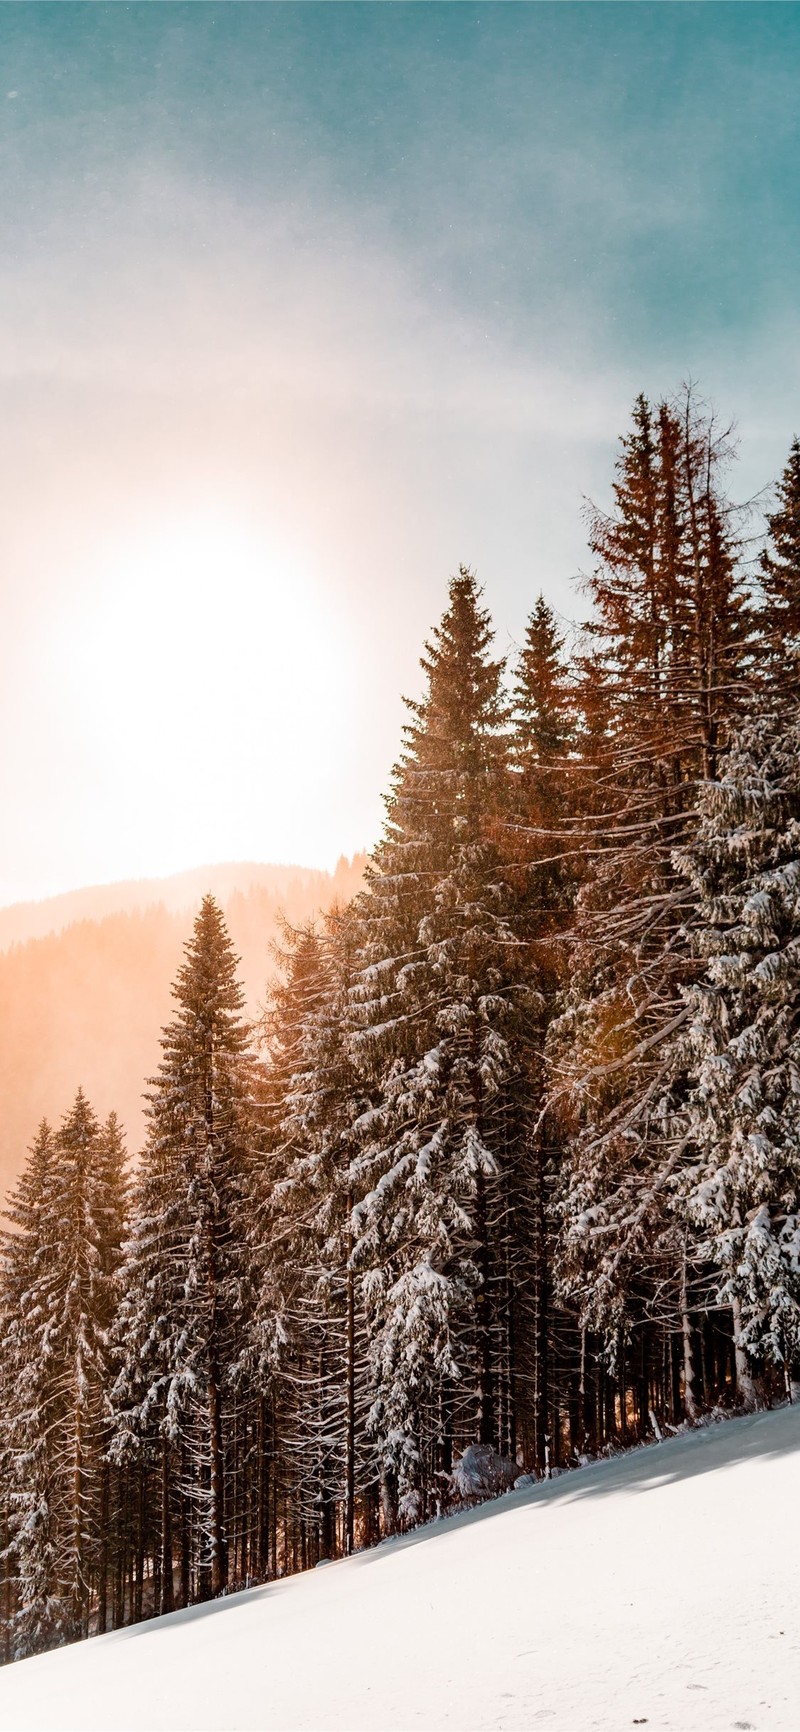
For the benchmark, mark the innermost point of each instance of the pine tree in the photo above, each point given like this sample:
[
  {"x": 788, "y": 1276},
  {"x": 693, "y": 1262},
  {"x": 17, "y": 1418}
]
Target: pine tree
[
  {"x": 544, "y": 804},
  {"x": 544, "y": 713},
  {"x": 185, "y": 1278},
  {"x": 543, "y": 799},
  {"x": 441, "y": 980},
  {"x": 670, "y": 641},
  {"x": 309, "y": 1318},
  {"x": 740, "y": 1176},
  {"x": 80, "y": 1293},
  {"x": 69, "y": 1211},
  {"x": 24, "y": 1441},
  {"x": 285, "y": 1345},
  {"x": 780, "y": 580},
  {"x": 145, "y": 1394}
]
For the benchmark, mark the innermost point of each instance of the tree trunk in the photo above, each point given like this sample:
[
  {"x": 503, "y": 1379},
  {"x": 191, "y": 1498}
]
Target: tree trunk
[
  {"x": 219, "y": 1562},
  {"x": 389, "y": 1500},
  {"x": 581, "y": 1413},
  {"x": 261, "y": 1562},
  {"x": 643, "y": 1395},
  {"x": 78, "y": 1585},
  {"x": 102, "y": 1568},
  {"x": 138, "y": 1586},
  {"x": 541, "y": 1300},
  {"x": 5, "y": 1565},
  {"x": 350, "y": 1418},
  {"x": 689, "y": 1397},
  {"x": 167, "y": 1592},
  {"x": 485, "y": 1367},
  {"x": 745, "y": 1387},
  {"x": 219, "y": 1572},
  {"x": 186, "y": 1579},
  {"x": 623, "y": 1389}
]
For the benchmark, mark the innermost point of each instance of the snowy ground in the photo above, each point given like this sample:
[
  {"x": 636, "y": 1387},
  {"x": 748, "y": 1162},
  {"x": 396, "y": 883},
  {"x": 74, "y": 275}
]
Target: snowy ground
[{"x": 661, "y": 1589}]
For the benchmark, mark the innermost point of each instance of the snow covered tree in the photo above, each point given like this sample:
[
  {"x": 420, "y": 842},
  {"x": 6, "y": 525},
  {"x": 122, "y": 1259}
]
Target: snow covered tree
[
  {"x": 669, "y": 642},
  {"x": 185, "y": 1278},
  {"x": 68, "y": 1211},
  {"x": 24, "y": 1451},
  {"x": 539, "y": 836},
  {"x": 740, "y": 1173},
  {"x": 309, "y": 1317},
  {"x": 441, "y": 979},
  {"x": 147, "y": 1427},
  {"x": 80, "y": 1293}
]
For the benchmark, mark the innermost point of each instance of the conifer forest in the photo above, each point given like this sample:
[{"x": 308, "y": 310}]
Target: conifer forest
[{"x": 508, "y": 1173}]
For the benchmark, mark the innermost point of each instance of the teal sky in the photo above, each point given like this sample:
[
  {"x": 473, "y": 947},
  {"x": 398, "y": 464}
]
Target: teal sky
[
  {"x": 634, "y": 164},
  {"x": 368, "y": 288}
]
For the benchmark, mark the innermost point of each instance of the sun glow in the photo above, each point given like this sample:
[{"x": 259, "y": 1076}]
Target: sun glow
[{"x": 207, "y": 675}]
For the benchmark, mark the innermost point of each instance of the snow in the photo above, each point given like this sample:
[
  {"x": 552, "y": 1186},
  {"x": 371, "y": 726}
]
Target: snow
[{"x": 658, "y": 1588}]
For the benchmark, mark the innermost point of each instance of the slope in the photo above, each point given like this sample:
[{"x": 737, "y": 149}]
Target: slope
[{"x": 659, "y": 1588}]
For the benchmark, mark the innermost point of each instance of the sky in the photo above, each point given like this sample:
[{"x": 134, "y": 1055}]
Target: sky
[{"x": 303, "y": 305}]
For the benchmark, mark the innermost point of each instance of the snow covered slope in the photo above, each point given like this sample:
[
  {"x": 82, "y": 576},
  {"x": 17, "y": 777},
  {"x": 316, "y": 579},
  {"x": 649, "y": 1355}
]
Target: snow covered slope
[{"x": 661, "y": 1589}]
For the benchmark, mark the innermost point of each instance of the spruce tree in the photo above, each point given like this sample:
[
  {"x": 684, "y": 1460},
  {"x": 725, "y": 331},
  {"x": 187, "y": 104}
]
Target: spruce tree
[
  {"x": 441, "y": 980},
  {"x": 70, "y": 1208},
  {"x": 544, "y": 714},
  {"x": 544, "y": 803},
  {"x": 669, "y": 643},
  {"x": 543, "y": 799},
  {"x": 740, "y": 1173},
  {"x": 309, "y": 1317},
  {"x": 24, "y": 1441},
  {"x": 80, "y": 1293},
  {"x": 185, "y": 1277},
  {"x": 780, "y": 581},
  {"x": 145, "y": 1394}
]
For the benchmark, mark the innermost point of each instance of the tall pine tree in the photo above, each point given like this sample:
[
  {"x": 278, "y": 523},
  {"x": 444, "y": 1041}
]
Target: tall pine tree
[
  {"x": 69, "y": 1215},
  {"x": 670, "y": 647},
  {"x": 185, "y": 1280},
  {"x": 441, "y": 981},
  {"x": 740, "y": 1174}
]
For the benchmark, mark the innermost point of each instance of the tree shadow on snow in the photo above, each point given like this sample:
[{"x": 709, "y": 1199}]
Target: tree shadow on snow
[
  {"x": 719, "y": 1444},
  {"x": 163, "y": 1621},
  {"x": 709, "y": 1447}
]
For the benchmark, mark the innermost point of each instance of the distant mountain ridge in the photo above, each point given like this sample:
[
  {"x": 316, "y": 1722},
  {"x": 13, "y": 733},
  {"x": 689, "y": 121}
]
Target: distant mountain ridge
[
  {"x": 85, "y": 983},
  {"x": 21, "y": 921}
]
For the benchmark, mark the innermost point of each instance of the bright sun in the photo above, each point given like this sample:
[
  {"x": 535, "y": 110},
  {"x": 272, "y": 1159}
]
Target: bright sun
[{"x": 209, "y": 677}]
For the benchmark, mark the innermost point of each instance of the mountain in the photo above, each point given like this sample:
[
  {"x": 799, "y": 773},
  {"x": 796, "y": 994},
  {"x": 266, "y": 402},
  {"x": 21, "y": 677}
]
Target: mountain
[
  {"x": 179, "y": 894},
  {"x": 658, "y": 1588},
  {"x": 85, "y": 983}
]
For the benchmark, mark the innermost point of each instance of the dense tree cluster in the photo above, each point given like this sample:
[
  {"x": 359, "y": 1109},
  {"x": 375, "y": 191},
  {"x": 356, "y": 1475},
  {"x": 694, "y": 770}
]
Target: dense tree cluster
[{"x": 509, "y": 1173}]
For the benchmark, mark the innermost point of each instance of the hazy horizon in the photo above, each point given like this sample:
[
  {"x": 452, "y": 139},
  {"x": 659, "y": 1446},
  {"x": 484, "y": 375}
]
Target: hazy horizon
[{"x": 63, "y": 892}]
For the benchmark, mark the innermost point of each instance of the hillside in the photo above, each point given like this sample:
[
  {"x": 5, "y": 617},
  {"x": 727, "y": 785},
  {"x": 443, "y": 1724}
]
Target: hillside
[
  {"x": 85, "y": 983},
  {"x": 658, "y": 1589}
]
